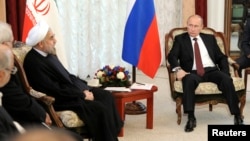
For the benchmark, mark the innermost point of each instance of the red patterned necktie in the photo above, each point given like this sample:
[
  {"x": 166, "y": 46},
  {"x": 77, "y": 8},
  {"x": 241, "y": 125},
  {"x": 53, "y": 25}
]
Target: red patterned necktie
[{"x": 199, "y": 67}]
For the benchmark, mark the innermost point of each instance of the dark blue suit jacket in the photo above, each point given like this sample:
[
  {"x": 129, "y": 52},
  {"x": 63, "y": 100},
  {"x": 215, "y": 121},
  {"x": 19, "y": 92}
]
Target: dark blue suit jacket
[
  {"x": 182, "y": 52},
  {"x": 245, "y": 43}
]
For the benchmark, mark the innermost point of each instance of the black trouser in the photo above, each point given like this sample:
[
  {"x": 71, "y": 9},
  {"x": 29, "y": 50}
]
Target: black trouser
[
  {"x": 224, "y": 83},
  {"x": 244, "y": 62}
]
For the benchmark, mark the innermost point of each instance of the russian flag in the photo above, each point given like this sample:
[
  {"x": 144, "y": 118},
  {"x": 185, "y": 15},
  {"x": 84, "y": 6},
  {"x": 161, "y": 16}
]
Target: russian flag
[{"x": 141, "y": 44}]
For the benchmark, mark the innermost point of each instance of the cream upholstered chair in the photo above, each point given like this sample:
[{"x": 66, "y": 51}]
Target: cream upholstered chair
[
  {"x": 206, "y": 92},
  {"x": 63, "y": 119}
]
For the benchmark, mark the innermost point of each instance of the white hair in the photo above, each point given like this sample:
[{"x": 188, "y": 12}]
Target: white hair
[{"x": 6, "y": 32}]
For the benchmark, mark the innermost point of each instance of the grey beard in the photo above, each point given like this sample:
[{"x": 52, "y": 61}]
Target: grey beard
[{"x": 53, "y": 51}]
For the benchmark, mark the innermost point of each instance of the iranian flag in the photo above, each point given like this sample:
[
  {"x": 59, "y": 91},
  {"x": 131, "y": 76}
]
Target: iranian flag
[{"x": 37, "y": 10}]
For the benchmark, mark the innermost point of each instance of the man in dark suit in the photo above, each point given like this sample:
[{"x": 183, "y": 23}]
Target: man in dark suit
[
  {"x": 214, "y": 63},
  {"x": 23, "y": 108},
  {"x": 7, "y": 126},
  {"x": 244, "y": 60},
  {"x": 46, "y": 74}
]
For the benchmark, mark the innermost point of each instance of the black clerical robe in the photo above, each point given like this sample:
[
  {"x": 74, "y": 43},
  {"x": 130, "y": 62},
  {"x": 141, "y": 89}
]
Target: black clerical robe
[
  {"x": 47, "y": 74},
  {"x": 20, "y": 105}
]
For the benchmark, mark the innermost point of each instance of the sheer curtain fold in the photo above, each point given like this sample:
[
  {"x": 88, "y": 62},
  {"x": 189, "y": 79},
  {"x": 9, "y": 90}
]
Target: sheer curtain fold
[{"x": 93, "y": 31}]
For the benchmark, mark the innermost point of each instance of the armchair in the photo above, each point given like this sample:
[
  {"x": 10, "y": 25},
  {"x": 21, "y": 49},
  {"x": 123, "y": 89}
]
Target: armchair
[
  {"x": 206, "y": 92},
  {"x": 63, "y": 119}
]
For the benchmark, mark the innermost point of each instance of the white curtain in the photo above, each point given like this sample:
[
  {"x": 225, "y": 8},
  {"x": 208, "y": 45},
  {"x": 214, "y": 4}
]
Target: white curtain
[
  {"x": 93, "y": 31},
  {"x": 215, "y": 10}
]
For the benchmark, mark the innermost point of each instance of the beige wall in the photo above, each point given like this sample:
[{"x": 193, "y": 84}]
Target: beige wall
[
  {"x": 2, "y": 10},
  {"x": 188, "y": 9}
]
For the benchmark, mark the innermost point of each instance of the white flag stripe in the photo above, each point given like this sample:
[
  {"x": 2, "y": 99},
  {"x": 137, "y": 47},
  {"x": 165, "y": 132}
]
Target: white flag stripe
[
  {"x": 130, "y": 6},
  {"x": 47, "y": 10}
]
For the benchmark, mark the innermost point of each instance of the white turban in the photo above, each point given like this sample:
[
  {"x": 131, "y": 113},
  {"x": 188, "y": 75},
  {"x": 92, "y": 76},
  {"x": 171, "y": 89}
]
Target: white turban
[{"x": 37, "y": 33}]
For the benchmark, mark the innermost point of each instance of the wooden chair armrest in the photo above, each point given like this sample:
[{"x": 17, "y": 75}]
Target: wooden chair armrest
[
  {"x": 235, "y": 71},
  {"x": 47, "y": 102},
  {"x": 172, "y": 78},
  {"x": 171, "y": 73},
  {"x": 231, "y": 62}
]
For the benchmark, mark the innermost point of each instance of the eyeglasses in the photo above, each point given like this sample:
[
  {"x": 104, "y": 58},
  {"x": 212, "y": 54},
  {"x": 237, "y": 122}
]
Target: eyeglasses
[{"x": 13, "y": 70}]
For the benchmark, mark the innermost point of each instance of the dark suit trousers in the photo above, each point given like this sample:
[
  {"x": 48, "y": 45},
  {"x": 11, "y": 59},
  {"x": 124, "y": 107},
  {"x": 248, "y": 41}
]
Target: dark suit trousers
[
  {"x": 224, "y": 83},
  {"x": 244, "y": 62}
]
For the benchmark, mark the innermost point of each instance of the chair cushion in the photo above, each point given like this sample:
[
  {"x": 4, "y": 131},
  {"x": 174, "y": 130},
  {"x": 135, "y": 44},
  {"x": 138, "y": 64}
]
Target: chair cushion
[
  {"x": 209, "y": 87},
  {"x": 70, "y": 119},
  {"x": 21, "y": 52}
]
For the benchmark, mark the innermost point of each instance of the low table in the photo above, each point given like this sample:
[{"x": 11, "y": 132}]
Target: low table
[{"x": 122, "y": 97}]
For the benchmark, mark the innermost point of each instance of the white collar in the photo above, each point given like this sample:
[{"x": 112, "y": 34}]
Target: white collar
[{"x": 41, "y": 52}]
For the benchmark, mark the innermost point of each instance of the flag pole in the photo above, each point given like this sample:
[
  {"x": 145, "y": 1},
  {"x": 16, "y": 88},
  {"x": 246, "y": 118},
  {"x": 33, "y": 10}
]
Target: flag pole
[
  {"x": 133, "y": 74},
  {"x": 135, "y": 108}
]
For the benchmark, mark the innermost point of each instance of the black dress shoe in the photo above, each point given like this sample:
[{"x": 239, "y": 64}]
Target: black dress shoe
[
  {"x": 238, "y": 120},
  {"x": 191, "y": 124}
]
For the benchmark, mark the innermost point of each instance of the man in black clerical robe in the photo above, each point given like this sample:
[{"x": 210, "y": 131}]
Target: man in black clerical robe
[{"x": 45, "y": 73}]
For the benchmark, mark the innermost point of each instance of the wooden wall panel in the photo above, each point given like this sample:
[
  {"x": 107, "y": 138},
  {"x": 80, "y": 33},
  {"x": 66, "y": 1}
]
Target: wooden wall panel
[
  {"x": 2, "y": 10},
  {"x": 188, "y": 9}
]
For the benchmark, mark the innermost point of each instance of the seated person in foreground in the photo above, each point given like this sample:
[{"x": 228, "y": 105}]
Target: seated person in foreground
[
  {"x": 95, "y": 106},
  {"x": 214, "y": 68},
  {"x": 20, "y": 105},
  {"x": 41, "y": 134},
  {"x": 7, "y": 126}
]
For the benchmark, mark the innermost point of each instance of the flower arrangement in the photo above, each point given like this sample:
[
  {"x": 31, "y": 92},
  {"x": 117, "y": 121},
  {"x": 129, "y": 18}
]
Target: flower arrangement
[{"x": 113, "y": 76}]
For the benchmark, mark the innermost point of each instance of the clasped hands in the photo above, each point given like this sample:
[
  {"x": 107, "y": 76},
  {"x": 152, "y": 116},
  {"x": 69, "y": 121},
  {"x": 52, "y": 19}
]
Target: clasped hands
[{"x": 88, "y": 95}]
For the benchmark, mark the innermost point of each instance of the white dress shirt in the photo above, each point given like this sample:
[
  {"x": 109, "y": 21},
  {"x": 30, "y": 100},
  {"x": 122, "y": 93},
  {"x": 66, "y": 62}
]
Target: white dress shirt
[{"x": 206, "y": 60}]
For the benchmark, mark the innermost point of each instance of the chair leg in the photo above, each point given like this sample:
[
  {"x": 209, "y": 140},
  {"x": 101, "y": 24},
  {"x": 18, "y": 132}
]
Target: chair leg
[
  {"x": 247, "y": 71},
  {"x": 210, "y": 107},
  {"x": 242, "y": 105},
  {"x": 178, "y": 109}
]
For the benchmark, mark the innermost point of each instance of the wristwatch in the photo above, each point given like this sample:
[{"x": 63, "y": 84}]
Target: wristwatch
[{"x": 176, "y": 69}]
